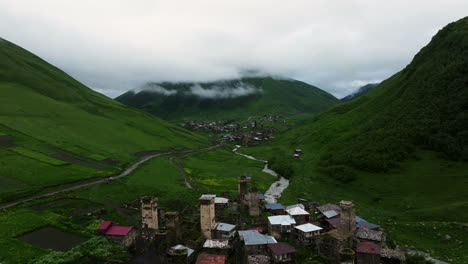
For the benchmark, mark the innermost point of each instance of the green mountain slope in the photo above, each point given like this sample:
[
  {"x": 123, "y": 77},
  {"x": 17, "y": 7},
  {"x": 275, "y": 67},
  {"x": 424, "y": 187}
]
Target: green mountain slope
[
  {"x": 229, "y": 99},
  {"x": 54, "y": 129},
  {"x": 399, "y": 151},
  {"x": 361, "y": 91}
]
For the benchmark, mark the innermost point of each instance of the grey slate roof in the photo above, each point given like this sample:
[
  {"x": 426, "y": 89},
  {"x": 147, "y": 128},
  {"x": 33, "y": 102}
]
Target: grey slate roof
[
  {"x": 225, "y": 227},
  {"x": 253, "y": 237},
  {"x": 260, "y": 196},
  {"x": 274, "y": 206}
]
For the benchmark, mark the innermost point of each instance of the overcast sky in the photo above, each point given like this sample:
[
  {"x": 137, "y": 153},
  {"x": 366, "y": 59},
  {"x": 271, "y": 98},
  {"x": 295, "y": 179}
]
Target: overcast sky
[{"x": 113, "y": 46}]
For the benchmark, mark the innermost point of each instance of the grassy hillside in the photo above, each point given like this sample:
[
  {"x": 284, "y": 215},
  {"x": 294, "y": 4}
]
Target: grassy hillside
[
  {"x": 399, "y": 152},
  {"x": 361, "y": 91},
  {"x": 229, "y": 99},
  {"x": 54, "y": 129}
]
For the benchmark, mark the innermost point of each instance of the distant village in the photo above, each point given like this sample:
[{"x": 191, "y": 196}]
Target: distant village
[
  {"x": 246, "y": 229},
  {"x": 254, "y": 130}
]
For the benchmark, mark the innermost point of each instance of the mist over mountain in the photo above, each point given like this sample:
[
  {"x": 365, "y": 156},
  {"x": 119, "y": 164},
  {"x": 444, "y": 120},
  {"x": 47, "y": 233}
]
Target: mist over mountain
[{"x": 235, "y": 98}]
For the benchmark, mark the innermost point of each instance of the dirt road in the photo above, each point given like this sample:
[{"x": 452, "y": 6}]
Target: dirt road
[{"x": 124, "y": 173}]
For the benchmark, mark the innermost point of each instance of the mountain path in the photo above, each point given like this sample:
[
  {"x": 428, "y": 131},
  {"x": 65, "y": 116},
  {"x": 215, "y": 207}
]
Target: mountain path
[{"x": 124, "y": 173}]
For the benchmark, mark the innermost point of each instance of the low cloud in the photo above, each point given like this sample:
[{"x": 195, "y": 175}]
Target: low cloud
[
  {"x": 211, "y": 92},
  {"x": 223, "y": 92},
  {"x": 154, "y": 88},
  {"x": 118, "y": 45}
]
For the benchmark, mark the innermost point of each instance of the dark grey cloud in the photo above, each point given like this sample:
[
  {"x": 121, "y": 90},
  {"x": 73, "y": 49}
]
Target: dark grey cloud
[{"x": 114, "y": 46}]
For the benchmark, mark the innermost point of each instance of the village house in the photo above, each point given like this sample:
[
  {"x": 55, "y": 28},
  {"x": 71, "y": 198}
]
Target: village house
[
  {"x": 282, "y": 253},
  {"x": 124, "y": 235},
  {"x": 217, "y": 247},
  {"x": 180, "y": 255},
  {"x": 391, "y": 256},
  {"x": 255, "y": 243},
  {"x": 223, "y": 231},
  {"x": 306, "y": 233},
  {"x": 361, "y": 223},
  {"x": 211, "y": 259},
  {"x": 368, "y": 253},
  {"x": 280, "y": 225},
  {"x": 331, "y": 244},
  {"x": 275, "y": 208},
  {"x": 299, "y": 214}
]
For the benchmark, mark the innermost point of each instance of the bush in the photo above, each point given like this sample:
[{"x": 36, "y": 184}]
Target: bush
[{"x": 282, "y": 166}]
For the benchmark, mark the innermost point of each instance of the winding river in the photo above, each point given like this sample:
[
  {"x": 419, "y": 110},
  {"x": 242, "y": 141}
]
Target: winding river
[{"x": 276, "y": 189}]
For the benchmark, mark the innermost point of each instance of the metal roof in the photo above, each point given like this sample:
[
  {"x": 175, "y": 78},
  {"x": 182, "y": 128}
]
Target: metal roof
[
  {"x": 281, "y": 220},
  {"x": 295, "y": 206},
  {"x": 330, "y": 214},
  {"x": 224, "y": 227},
  {"x": 207, "y": 196},
  {"x": 253, "y": 237},
  {"x": 221, "y": 200},
  {"x": 179, "y": 247},
  {"x": 361, "y": 223},
  {"x": 274, "y": 206},
  {"x": 308, "y": 228},
  {"x": 297, "y": 211}
]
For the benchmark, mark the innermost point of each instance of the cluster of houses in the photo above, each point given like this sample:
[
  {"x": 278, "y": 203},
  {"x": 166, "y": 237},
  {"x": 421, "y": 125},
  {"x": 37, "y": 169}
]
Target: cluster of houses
[
  {"x": 329, "y": 230},
  {"x": 250, "y": 132}
]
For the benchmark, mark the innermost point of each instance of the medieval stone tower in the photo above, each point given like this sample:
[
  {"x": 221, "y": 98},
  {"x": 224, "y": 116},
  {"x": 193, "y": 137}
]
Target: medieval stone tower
[
  {"x": 254, "y": 207},
  {"x": 173, "y": 225},
  {"x": 347, "y": 219},
  {"x": 242, "y": 187},
  {"x": 149, "y": 212},
  {"x": 207, "y": 214}
]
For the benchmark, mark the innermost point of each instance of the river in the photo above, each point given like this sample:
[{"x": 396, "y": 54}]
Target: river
[{"x": 276, "y": 189}]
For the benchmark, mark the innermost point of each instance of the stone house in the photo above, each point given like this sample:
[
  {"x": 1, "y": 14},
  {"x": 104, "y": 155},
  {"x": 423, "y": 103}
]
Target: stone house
[
  {"x": 223, "y": 231},
  {"x": 180, "y": 255},
  {"x": 299, "y": 214},
  {"x": 258, "y": 259},
  {"x": 280, "y": 225},
  {"x": 255, "y": 243},
  {"x": 275, "y": 208},
  {"x": 368, "y": 253},
  {"x": 306, "y": 233},
  {"x": 282, "y": 253},
  {"x": 124, "y": 235}
]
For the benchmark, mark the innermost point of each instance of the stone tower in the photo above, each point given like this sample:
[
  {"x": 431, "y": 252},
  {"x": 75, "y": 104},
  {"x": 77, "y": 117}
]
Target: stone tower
[
  {"x": 254, "y": 207},
  {"x": 207, "y": 214},
  {"x": 347, "y": 219},
  {"x": 149, "y": 212},
  {"x": 173, "y": 225},
  {"x": 242, "y": 187}
]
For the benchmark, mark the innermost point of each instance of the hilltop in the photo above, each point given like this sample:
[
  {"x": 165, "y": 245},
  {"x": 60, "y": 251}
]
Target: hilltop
[
  {"x": 55, "y": 130},
  {"x": 361, "y": 91},
  {"x": 237, "y": 98}
]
